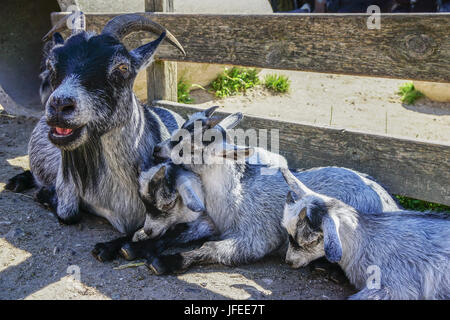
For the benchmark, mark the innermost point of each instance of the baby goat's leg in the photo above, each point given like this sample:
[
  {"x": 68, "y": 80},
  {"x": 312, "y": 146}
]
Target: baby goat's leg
[
  {"x": 106, "y": 251},
  {"x": 182, "y": 234},
  {"x": 228, "y": 252}
]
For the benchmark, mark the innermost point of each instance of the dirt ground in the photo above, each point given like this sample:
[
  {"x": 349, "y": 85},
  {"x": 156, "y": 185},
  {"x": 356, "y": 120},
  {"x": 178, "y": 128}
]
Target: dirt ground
[{"x": 41, "y": 259}]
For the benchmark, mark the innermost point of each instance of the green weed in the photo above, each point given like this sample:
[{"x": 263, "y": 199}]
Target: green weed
[
  {"x": 408, "y": 93},
  {"x": 277, "y": 83}
]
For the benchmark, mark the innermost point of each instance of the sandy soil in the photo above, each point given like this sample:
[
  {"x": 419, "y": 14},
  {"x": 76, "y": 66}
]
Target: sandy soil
[
  {"x": 350, "y": 102},
  {"x": 41, "y": 259}
]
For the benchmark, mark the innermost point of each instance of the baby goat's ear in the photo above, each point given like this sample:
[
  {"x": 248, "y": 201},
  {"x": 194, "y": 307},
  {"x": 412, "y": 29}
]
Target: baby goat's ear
[
  {"x": 189, "y": 196},
  {"x": 294, "y": 184},
  {"x": 160, "y": 174},
  {"x": 331, "y": 241},
  {"x": 150, "y": 177},
  {"x": 210, "y": 111},
  {"x": 231, "y": 121}
]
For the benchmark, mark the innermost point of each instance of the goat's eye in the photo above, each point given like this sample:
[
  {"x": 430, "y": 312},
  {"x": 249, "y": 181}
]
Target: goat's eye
[
  {"x": 293, "y": 243},
  {"x": 123, "y": 68}
]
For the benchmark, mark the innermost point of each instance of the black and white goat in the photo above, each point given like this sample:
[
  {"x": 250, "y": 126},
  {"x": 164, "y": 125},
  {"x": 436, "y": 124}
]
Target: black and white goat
[{"x": 86, "y": 151}]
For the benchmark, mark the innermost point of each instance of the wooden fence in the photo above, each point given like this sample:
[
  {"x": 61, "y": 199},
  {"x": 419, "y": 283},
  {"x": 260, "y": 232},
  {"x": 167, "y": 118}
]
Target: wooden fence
[{"x": 408, "y": 46}]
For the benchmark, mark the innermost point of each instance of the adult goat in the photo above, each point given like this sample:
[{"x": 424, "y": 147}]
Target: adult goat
[{"x": 85, "y": 152}]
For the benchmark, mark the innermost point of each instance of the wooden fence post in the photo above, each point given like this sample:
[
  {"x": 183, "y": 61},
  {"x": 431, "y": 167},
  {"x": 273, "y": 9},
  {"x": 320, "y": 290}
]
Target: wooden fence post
[{"x": 161, "y": 75}]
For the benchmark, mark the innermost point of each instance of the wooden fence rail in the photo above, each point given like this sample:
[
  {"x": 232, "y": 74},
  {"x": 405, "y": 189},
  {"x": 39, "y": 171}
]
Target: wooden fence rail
[
  {"x": 408, "y": 46},
  {"x": 413, "y": 168},
  {"x": 411, "y": 46}
]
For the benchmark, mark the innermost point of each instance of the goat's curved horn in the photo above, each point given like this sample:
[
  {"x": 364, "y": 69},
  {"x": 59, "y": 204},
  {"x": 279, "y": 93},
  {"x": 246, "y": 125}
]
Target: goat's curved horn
[
  {"x": 62, "y": 24},
  {"x": 122, "y": 25}
]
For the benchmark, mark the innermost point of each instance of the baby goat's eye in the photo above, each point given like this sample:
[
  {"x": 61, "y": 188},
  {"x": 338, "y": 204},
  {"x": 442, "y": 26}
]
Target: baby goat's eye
[{"x": 293, "y": 243}]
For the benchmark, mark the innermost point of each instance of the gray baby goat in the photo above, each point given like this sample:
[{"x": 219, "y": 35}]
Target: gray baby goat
[
  {"x": 246, "y": 206},
  {"x": 386, "y": 255},
  {"x": 175, "y": 205}
]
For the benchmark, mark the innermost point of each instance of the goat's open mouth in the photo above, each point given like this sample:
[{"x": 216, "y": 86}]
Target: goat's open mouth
[
  {"x": 62, "y": 131},
  {"x": 64, "y": 136}
]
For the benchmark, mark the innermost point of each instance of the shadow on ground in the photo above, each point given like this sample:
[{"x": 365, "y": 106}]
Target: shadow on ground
[
  {"x": 425, "y": 105},
  {"x": 39, "y": 258}
]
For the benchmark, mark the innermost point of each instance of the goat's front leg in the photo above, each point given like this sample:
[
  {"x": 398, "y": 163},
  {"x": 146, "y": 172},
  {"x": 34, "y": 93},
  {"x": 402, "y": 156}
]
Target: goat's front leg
[
  {"x": 181, "y": 234},
  {"x": 106, "y": 251},
  {"x": 47, "y": 197},
  {"x": 67, "y": 207},
  {"x": 227, "y": 252},
  {"x": 21, "y": 182}
]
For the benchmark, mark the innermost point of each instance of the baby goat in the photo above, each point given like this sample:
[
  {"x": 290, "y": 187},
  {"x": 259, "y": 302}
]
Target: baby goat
[
  {"x": 175, "y": 212},
  {"x": 177, "y": 194},
  {"x": 387, "y": 255},
  {"x": 245, "y": 205}
]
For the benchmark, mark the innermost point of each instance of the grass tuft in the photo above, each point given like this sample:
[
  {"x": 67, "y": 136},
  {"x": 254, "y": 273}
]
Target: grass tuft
[
  {"x": 419, "y": 205},
  {"x": 277, "y": 83},
  {"x": 408, "y": 93},
  {"x": 233, "y": 81},
  {"x": 183, "y": 89}
]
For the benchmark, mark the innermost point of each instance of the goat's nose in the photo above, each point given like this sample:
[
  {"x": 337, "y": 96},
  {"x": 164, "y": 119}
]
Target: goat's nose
[
  {"x": 62, "y": 105},
  {"x": 289, "y": 263}
]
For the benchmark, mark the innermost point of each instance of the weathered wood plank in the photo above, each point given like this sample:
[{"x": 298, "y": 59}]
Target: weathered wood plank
[
  {"x": 407, "y": 167},
  {"x": 161, "y": 75},
  {"x": 408, "y": 46}
]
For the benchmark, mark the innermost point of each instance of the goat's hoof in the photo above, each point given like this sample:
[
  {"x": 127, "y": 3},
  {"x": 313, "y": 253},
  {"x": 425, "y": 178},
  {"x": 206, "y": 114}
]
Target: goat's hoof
[
  {"x": 156, "y": 266},
  {"x": 47, "y": 198},
  {"x": 71, "y": 219},
  {"x": 20, "y": 182},
  {"x": 165, "y": 264},
  {"x": 102, "y": 253},
  {"x": 127, "y": 252}
]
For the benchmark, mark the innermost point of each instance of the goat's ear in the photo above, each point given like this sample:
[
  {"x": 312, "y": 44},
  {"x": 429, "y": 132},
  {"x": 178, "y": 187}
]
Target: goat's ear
[
  {"x": 331, "y": 241},
  {"x": 189, "y": 196},
  {"x": 150, "y": 178},
  {"x": 211, "y": 122},
  {"x": 210, "y": 111},
  {"x": 57, "y": 38},
  {"x": 160, "y": 174},
  {"x": 294, "y": 184},
  {"x": 234, "y": 152},
  {"x": 231, "y": 121},
  {"x": 144, "y": 54}
]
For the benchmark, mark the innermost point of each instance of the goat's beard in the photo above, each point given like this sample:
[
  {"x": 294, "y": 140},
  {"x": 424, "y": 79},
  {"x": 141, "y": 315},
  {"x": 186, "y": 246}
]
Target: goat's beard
[{"x": 84, "y": 163}]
